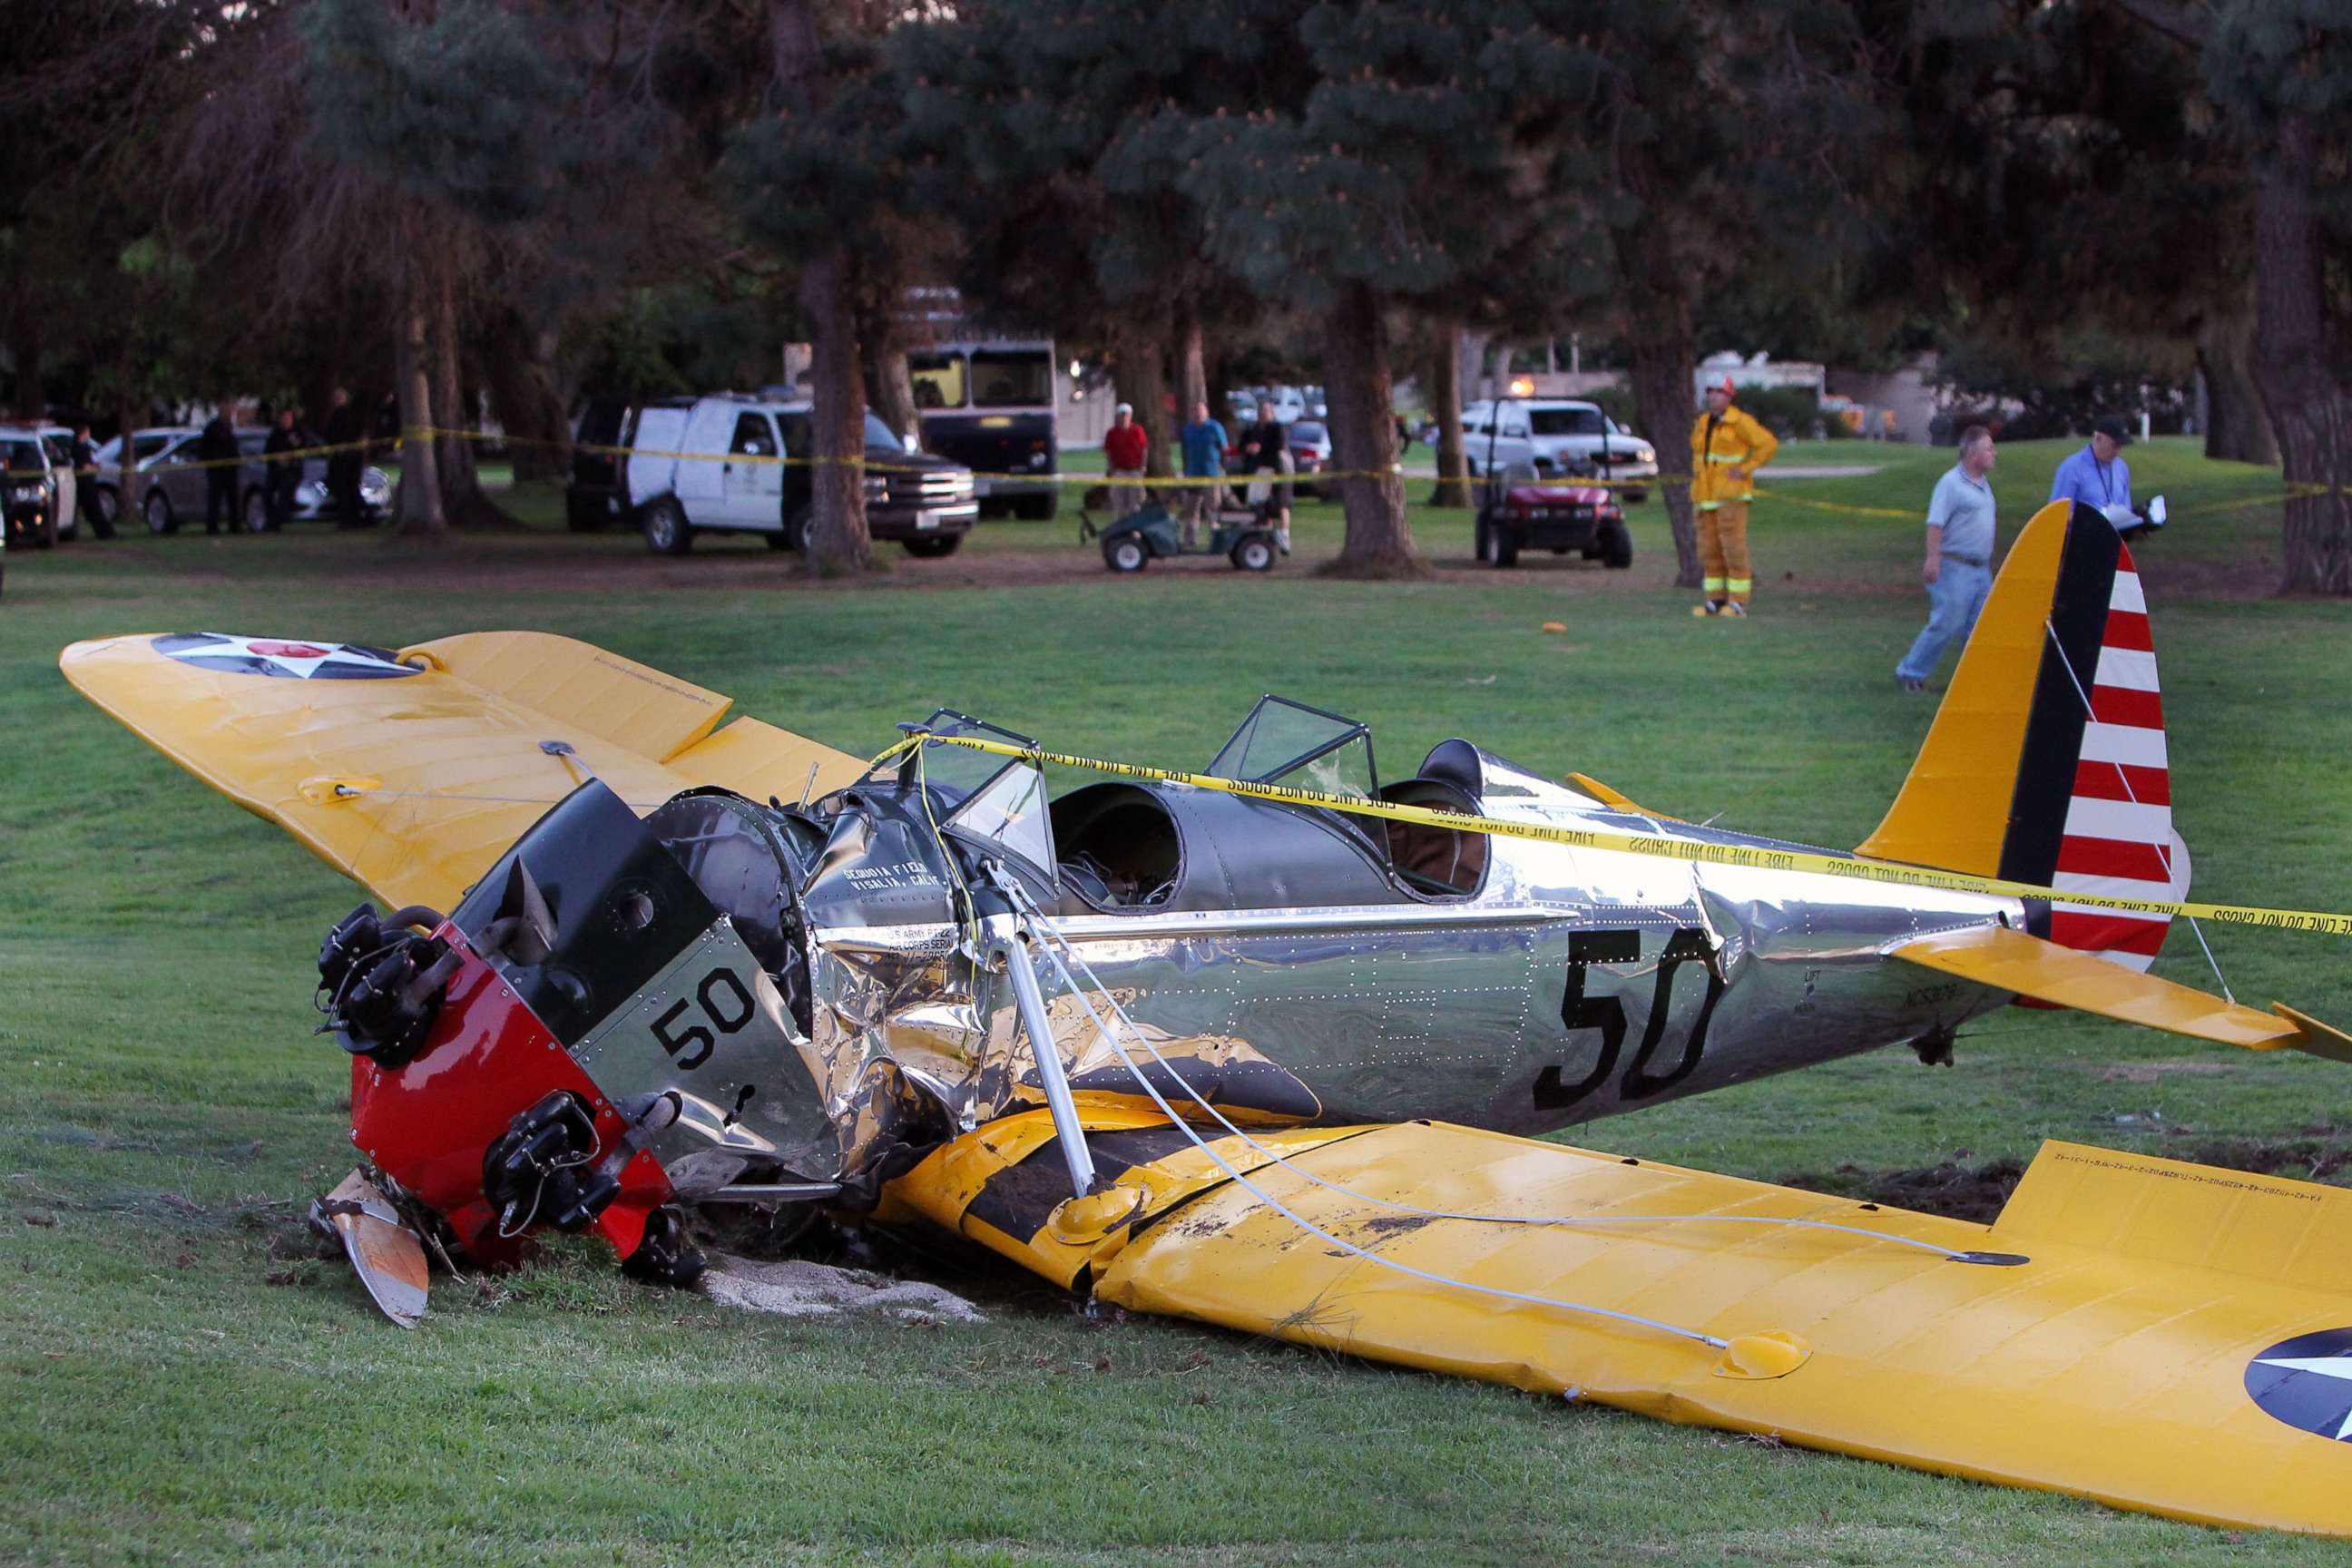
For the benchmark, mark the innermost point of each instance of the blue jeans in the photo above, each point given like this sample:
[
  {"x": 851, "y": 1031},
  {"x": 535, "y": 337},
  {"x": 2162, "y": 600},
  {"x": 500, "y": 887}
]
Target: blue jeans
[{"x": 1954, "y": 599}]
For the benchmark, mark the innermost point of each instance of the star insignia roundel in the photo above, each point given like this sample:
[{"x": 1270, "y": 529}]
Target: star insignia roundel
[
  {"x": 2307, "y": 1382},
  {"x": 287, "y": 659}
]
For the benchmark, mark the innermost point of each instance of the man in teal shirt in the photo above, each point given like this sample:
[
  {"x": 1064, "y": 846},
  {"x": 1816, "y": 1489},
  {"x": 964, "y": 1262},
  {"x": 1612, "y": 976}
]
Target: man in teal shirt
[
  {"x": 1204, "y": 443},
  {"x": 1959, "y": 569}
]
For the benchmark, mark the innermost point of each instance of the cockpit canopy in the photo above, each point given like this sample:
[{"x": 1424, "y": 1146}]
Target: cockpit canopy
[
  {"x": 1288, "y": 742},
  {"x": 992, "y": 802},
  {"x": 1122, "y": 846}
]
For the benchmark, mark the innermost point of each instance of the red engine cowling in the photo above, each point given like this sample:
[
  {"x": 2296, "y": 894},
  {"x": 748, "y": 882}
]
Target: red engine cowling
[{"x": 428, "y": 1123}]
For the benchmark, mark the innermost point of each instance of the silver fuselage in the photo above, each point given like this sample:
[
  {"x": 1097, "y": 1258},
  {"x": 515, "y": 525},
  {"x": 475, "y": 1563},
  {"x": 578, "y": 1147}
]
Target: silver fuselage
[{"x": 1571, "y": 983}]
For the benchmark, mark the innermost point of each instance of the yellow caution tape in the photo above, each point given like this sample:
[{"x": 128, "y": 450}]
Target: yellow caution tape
[
  {"x": 1665, "y": 847},
  {"x": 1236, "y": 480}
]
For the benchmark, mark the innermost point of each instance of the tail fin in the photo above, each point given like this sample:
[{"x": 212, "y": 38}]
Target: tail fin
[{"x": 2046, "y": 762}]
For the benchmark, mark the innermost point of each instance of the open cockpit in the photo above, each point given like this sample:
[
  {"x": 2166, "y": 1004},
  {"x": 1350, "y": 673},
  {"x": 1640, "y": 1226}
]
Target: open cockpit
[{"x": 1119, "y": 845}]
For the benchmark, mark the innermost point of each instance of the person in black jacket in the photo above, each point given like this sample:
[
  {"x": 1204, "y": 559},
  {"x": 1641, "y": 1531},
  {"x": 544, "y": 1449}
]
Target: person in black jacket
[
  {"x": 217, "y": 449},
  {"x": 1266, "y": 449},
  {"x": 343, "y": 467},
  {"x": 284, "y": 474}
]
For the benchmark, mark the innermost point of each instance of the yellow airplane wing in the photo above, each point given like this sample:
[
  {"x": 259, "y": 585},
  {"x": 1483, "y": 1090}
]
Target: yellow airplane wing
[
  {"x": 2159, "y": 1336},
  {"x": 2017, "y": 961},
  {"x": 412, "y": 770}
]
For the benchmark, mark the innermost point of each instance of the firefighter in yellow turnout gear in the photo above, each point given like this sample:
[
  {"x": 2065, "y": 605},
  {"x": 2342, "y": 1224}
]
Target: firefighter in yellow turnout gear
[{"x": 1727, "y": 447}]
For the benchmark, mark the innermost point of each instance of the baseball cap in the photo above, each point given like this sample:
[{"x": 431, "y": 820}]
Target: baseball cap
[
  {"x": 2113, "y": 429},
  {"x": 1725, "y": 387},
  {"x": 1124, "y": 408}
]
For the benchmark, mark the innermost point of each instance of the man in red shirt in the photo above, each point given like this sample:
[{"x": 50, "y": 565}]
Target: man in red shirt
[{"x": 1126, "y": 446}]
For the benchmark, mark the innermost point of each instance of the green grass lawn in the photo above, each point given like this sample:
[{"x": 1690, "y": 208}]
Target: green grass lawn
[{"x": 179, "y": 1390}]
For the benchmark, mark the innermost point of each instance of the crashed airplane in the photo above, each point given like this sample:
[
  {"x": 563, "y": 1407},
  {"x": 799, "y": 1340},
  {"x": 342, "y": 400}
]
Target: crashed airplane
[{"x": 1265, "y": 1046}]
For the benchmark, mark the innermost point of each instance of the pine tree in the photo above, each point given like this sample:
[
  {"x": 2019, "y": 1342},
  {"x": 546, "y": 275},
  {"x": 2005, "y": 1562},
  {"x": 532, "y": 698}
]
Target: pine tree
[
  {"x": 1667, "y": 150},
  {"x": 1378, "y": 189}
]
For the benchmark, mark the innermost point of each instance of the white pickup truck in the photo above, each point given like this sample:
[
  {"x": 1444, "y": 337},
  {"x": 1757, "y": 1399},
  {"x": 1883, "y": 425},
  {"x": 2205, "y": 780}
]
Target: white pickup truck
[{"x": 717, "y": 464}]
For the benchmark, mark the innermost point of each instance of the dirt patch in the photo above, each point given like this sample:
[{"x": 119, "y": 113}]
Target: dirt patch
[
  {"x": 1958, "y": 1190},
  {"x": 798, "y": 1288},
  {"x": 1954, "y": 1190}
]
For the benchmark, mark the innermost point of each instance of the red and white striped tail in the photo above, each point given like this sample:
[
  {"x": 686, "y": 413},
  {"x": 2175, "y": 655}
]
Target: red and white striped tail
[{"x": 2119, "y": 841}]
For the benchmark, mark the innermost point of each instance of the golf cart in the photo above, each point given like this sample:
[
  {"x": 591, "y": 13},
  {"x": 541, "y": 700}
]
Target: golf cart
[
  {"x": 1520, "y": 510},
  {"x": 1152, "y": 532}
]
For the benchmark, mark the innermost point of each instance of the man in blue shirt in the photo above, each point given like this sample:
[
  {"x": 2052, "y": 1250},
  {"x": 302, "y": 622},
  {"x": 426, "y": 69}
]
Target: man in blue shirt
[
  {"x": 2097, "y": 476},
  {"x": 1958, "y": 569},
  {"x": 1205, "y": 444}
]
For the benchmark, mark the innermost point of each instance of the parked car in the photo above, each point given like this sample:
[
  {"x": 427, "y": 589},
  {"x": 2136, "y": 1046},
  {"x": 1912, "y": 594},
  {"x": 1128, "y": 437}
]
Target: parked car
[
  {"x": 175, "y": 490},
  {"x": 684, "y": 479},
  {"x": 313, "y": 501},
  {"x": 30, "y": 490},
  {"x": 1559, "y": 435},
  {"x": 1310, "y": 454},
  {"x": 57, "y": 445}
]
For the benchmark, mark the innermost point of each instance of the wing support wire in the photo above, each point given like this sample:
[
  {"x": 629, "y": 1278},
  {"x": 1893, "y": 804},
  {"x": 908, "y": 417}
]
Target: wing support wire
[{"x": 1055, "y": 945}]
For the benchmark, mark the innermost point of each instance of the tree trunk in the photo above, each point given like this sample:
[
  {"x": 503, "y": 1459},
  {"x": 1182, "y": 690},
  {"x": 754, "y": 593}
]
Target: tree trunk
[
  {"x": 517, "y": 363},
  {"x": 1379, "y": 541},
  {"x": 1142, "y": 374},
  {"x": 2237, "y": 429},
  {"x": 1445, "y": 400},
  {"x": 840, "y": 544},
  {"x": 1664, "y": 353},
  {"x": 1192, "y": 369},
  {"x": 2295, "y": 362},
  {"x": 462, "y": 501},
  {"x": 888, "y": 386},
  {"x": 417, "y": 506},
  {"x": 1498, "y": 371}
]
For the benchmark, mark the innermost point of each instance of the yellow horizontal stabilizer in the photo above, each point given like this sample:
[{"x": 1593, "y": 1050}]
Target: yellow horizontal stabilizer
[
  {"x": 2168, "y": 1211},
  {"x": 414, "y": 784},
  {"x": 2106, "y": 1355},
  {"x": 2320, "y": 1039},
  {"x": 2013, "y": 961}
]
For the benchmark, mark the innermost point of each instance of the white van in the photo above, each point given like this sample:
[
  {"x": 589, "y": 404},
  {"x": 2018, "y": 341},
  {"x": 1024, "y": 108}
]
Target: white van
[{"x": 714, "y": 464}]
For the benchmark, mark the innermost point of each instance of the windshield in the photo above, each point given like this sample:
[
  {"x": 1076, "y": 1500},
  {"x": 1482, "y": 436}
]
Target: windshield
[
  {"x": 1565, "y": 422},
  {"x": 938, "y": 380},
  {"x": 1011, "y": 378},
  {"x": 21, "y": 457},
  {"x": 1284, "y": 742},
  {"x": 145, "y": 447},
  {"x": 880, "y": 434},
  {"x": 952, "y": 774},
  {"x": 994, "y": 802}
]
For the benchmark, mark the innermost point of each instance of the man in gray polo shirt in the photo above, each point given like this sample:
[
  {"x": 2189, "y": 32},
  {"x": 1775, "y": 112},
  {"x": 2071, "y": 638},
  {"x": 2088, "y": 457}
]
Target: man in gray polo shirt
[{"x": 1959, "y": 572}]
